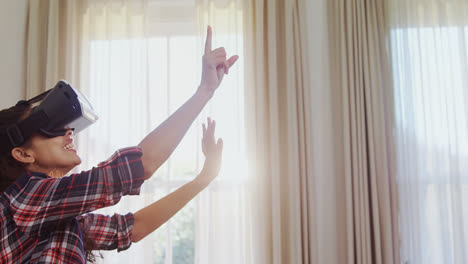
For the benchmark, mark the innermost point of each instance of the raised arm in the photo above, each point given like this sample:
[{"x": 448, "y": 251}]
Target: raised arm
[
  {"x": 153, "y": 216},
  {"x": 161, "y": 142}
]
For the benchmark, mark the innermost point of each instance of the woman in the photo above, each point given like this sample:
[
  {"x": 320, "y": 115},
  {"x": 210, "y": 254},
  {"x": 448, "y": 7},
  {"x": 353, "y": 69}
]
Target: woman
[{"x": 45, "y": 217}]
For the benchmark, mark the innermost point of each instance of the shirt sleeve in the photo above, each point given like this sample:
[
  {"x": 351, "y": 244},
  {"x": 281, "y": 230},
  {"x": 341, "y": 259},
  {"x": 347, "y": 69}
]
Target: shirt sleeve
[
  {"x": 107, "y": 232},
  {"x": 39, "y": 204}
]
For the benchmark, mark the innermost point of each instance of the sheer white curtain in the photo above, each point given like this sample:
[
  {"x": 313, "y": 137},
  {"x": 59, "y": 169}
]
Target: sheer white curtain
[
  {"x": 430, "y": 65},
  {"x": 141, "y": 61}
]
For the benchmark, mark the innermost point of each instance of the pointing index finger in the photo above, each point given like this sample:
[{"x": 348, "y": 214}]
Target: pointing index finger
[{"x": 208, "y": 40}]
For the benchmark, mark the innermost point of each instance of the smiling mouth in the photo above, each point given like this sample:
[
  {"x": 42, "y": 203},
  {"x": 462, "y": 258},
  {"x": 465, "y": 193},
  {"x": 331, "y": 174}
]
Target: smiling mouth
[{"x": 69, "y": 147}]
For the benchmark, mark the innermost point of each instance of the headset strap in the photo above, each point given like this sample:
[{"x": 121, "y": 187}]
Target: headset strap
[{"x": 16, "y": 134}]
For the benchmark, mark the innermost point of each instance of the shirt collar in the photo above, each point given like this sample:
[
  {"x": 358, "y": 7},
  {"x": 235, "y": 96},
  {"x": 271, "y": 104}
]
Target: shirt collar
[{"x": 38, "y": 174}]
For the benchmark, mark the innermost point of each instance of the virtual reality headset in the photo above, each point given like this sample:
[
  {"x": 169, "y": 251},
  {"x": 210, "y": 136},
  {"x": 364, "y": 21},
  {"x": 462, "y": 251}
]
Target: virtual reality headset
[{"x": 60, "y": 109}]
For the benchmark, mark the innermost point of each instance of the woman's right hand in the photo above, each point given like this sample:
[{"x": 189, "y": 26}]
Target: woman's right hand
[
  {"x": 213, "y": 152},
  {"x": 214, "y": 66}
]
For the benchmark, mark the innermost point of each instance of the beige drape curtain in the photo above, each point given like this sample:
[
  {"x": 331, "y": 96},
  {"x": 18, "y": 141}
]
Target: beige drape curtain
[
  {"x": 52, "y": 44},
  {"x": 362, "y": 79},
  {"x": 322, "y": 185},
  {"x": 292, "y": 195},
  {"x": 279, "y": 155}
]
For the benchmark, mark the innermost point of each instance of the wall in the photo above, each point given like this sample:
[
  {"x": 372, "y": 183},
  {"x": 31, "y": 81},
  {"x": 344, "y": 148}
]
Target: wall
[{"x": 12, "y": 50}]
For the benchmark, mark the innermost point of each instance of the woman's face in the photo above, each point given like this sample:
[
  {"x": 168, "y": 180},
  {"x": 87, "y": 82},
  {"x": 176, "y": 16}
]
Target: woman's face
[{"x": 54, "y": 156}]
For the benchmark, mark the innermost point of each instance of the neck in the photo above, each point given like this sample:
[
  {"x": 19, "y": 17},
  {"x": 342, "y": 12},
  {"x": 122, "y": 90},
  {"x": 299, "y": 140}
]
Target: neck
[{"x": 52, "y": 172}]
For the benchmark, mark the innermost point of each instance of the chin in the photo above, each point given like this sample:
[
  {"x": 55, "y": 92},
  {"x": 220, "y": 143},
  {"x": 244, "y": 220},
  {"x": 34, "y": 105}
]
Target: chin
[
  {"x": 77, "y": 161},
  {"x": 71, "y": 167}
]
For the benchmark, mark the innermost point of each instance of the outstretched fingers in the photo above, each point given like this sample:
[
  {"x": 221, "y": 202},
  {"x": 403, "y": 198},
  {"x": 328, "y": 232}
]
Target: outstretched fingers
[
  {"x": 217, "y": 58},
  {"x": 219, "y": 145},
  {"x": 227, "y": 64},
  {"x": 204, "y": 129},
  {"x": 208, "y": 140},
  {"x": 210, "y": 146},
  {"x": 232, "y": 60},
  {"x": 208, "y": 40},
  {"x": 211, "y": 129}
]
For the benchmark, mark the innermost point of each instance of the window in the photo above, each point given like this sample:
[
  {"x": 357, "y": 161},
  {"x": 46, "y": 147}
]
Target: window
[
  {"x": 431, "y": 96},
  {"x": 135, "y": 83}
]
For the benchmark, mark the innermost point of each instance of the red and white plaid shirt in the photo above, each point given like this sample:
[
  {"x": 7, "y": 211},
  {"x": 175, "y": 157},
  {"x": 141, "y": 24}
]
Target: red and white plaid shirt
[{"x": 42, "y": 218}]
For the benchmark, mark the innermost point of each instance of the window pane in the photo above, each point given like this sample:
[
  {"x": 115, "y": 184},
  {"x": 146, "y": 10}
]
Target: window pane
[
  {"x": 136, "y": 84},
  {"x": 183, "y": 235},
  {"x": 430, "y": 84}
]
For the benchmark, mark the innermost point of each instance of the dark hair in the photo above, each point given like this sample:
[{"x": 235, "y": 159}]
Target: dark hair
[{"x": 11, "y": 169}]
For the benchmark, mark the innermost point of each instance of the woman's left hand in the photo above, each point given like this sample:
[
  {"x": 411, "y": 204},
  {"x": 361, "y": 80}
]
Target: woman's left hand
[
  {"x": 212, "y": 150},
  {"x": 214, "y": 66}
]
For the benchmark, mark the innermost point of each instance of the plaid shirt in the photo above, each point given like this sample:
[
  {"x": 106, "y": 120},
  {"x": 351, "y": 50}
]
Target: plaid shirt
[{"x": 41, "y": 217}]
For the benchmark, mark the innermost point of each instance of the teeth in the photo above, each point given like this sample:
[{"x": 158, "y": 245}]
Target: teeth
[{"x": 69, "y": 146}]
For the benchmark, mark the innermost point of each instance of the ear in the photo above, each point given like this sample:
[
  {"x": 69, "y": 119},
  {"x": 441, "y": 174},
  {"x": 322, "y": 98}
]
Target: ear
[{"x": 21, "y": 155}]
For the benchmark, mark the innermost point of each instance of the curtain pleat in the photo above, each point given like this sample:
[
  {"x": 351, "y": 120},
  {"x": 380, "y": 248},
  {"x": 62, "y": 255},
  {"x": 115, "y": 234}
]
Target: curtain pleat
[
  {"x": 360, "y": 62},
  {"x": 52, "y": 44},
  {"x": 293, "y": 204}
]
